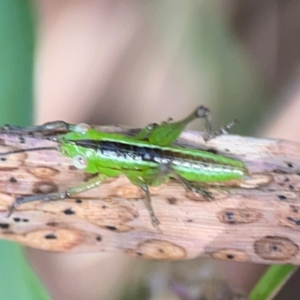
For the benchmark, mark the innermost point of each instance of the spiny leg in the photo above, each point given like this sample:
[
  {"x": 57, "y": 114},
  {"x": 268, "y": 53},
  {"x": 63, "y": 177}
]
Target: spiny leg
[
  {"x": 92, "y": 183},
  {"x": 166, "y": 133},
  {"x": 204, "y": 112},
  {"x": 45, "y": 128},
  {"x": 167, "y": 170},
  {"x": 144, "y": 133},
  {"x": 136, "y": 179},
  {"x": 221, "y": 131},
  {"x": 190, "y": 187},
  {"x": 50, "y": 131},
  {"x": 148, "y": 204}
]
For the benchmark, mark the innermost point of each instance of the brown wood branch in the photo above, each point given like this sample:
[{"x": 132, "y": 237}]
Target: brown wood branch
[{"x": 257, "y": 219}]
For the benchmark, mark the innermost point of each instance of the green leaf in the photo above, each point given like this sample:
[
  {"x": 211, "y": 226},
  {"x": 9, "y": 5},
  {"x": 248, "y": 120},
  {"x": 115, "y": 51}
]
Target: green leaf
[
  {"x": 16, "y": 61},
  {"x": 17, "y": 280},
  {"x": 272, "y": 281}
]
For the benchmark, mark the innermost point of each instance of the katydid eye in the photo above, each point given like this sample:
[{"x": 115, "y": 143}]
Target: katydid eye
[
  {"x": 82, "y": 128},
  {"x": 79, "y": 162}
]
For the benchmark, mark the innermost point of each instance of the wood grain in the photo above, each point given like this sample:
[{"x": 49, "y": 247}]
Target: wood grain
[{"x": 257, "y": 219}]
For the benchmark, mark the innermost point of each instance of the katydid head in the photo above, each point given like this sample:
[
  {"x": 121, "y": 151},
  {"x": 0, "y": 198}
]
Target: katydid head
[
  {"x": 83, "y": 157},
  {"x": 72, "y": 145}
]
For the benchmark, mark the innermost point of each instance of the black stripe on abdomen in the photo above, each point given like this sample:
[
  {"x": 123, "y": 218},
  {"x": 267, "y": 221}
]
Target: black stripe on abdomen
[{"x": 139, "y": 153}]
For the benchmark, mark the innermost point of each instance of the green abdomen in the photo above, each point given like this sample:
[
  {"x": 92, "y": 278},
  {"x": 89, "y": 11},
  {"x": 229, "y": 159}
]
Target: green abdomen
[{"x": 192, "y": 164}]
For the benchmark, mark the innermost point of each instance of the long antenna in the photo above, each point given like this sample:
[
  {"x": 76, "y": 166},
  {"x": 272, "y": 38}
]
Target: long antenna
[{"x": 27, "y": 150}]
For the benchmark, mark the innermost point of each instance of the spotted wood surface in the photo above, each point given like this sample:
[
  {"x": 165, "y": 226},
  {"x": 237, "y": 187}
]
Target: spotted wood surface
[{"x": 257, "y": 219}]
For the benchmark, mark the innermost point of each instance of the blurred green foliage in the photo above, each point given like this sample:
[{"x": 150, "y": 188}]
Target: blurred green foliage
[
  {"x": 229, "y": 78},
  {"x": 16, "y": 61},
  {"x": 207, "y": 53},
  {"x": 17, "y": 280}
]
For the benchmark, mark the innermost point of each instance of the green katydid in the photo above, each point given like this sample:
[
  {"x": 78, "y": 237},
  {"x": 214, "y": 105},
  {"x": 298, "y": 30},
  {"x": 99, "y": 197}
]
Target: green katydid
[{"x": 147, "y": 159}]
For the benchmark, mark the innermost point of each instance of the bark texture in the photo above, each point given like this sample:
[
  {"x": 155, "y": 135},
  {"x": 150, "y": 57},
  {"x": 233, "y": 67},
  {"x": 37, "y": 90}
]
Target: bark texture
[{"x": 257, "y": 219}]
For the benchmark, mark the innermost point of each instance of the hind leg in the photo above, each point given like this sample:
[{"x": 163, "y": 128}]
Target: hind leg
[{"x": 168, "y": 171}]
